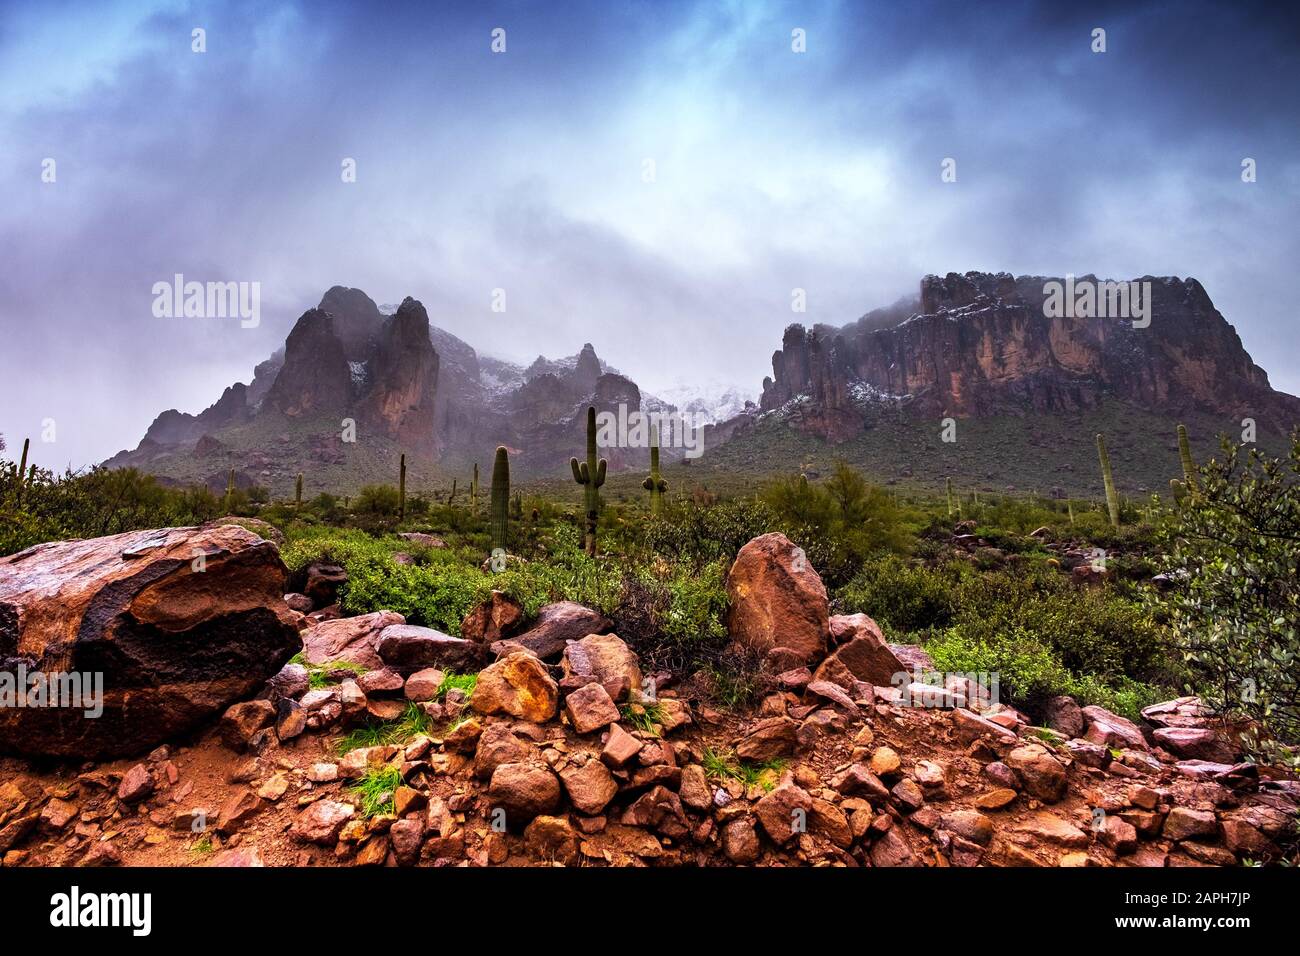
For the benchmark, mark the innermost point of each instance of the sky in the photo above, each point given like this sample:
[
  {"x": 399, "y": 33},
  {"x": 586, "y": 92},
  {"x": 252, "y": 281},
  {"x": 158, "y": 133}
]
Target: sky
[{"x": 651, "y": 177}]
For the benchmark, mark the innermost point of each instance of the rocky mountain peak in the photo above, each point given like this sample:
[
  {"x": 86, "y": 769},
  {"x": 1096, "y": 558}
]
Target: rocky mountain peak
[
  {"x": 403, "y": 378},
  {"x": 315, "y": 376}
]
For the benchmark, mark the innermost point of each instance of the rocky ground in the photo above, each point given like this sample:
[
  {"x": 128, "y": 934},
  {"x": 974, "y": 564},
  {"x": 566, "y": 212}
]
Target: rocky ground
[{"x": 372, "y": 748}]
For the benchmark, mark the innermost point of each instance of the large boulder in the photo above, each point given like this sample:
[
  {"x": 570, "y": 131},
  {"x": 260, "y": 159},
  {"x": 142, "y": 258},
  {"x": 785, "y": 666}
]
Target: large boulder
[
  {"x": 350, "y": 639},
  {"x": 518, "y": 685},
  {"x": 177, "y": 623},
  {"x": 609, "y": 660},
  {"x": 497, "y": 617},
  {"x": 407, "y": 649},
  {"x": 777, "y": 599},
  {"x": 862, "y": 655},
  {"x": 559, "y": 623}
]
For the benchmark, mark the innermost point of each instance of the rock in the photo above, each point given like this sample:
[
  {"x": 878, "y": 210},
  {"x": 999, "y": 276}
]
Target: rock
[
  {"x": 884, "y": 762},
  {"x": 740, "y": 841},
  {"x": 912, "y": 657},
  {"x": 827, "y": 820},
  {"x": 497, "y": 617},
  {"x": 299, "y": 602},
  {"x": 102, "y": 853},
  {"x": 552, "y": 839},
  {"x": 777, "y": 599},
  {"x": 174, "y": 646},
  {"x": 351, "y": 639},
  {"x": 465, "y": 737},
  {"x": 892, "y": 850},
  {"x": 323, "y": 772},
  {"x": 424, "y": 684},
  {"x": 241, "y": 722},
  {"x": 863, "y": 657},
  {"x": 405, "y": 836},
  {"x": 275, "y": 787},
  {"x": 909, "y": 796},
  {"x": 833, "y": 693},
  {"x": 407, "y": 648},
  {"x": 658, "y": 809},
  {"x": 1040, "y": 773},
  {"x": 620, "y": 748},
  {"x": 768, "y": 739},
  {"x": 136, "y": 785},
  {"x": 971, "y": 727},
  {"x": 322, "y": 583},
  {"x": 1064, "y": 715},
  {"x": 1195, "y": 743},
  {"x": 1049, "y": 828},
  {"x": 968, "y": 824},
  {"x": 498, "y": 744},
  {"x": 239, "y": 857},
  {"x": 291, "y": 683},
  {"x": 321, "y": 822},
  {"x": 995, "y": 799},
  {"x": 783, "y": 812},
  {"x": 518, "y": 685},
  {"x": 1179, "y": 712},
  {"x": 1119, "y": 835},
  {"x": 239, "y": 808},
  {"x": 380, "y": 682},
  {"x": 559, "y": 623},
  {"x": 1089, "y": 755},
  {"x": 523, "y": 791},
  {"x": 673, "y": 714},
  {"x": 590, "y": 708},
  {"x": 1245, "y": 840},
  {"x": 290, "y": 720},
  {"x": 858, "y": 780},
  {"x": 1184, "y": 823},
  {"x": 694, "y": 788},
  {"x": 57, "y": 814},
  {"x": 590, "y": 787},
  {"x": 1111, "y": 730},
  {"x": 609, "y": 660}
]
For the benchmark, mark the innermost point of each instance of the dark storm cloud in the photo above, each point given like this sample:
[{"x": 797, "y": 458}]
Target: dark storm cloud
[{"x": 524, "y": 172}]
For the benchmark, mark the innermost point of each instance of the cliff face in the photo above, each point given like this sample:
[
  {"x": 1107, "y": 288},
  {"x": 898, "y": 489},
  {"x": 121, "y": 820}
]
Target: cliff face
[
  {"x": 982, "y": 344},
  {"x": 315, "y": 375},
  {"x": 402, "y": 379}
]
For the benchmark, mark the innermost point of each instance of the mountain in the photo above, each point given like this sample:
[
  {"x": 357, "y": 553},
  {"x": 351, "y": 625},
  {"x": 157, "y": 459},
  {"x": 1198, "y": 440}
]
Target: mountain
[
  {"x": 982, "y": 345},
  {"x": 1030, "y": 384}
]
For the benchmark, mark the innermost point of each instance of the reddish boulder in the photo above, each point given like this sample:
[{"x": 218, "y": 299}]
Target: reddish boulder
[
  {"x": 606, "y": 658},
  {"x": 862, "y": 655},
  {"x": 559, "y": 623},
  {"x": 497, "y": 617},
  {"x": 350, "y": 639},
  {"x": 777, "y": 599},
  {"x": 180, "y": 623},
  {"x": 407, "y": 648},
  {"x": 518, "y": 685}
]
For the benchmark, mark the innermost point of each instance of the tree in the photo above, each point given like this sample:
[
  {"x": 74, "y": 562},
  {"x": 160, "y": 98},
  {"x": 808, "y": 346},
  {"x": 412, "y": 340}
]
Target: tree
[{"x": 1235, "y": 606}]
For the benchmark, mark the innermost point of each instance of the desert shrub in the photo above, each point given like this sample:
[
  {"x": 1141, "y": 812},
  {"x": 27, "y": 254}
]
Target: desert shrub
[
  {"x": 377, "y": 501},
  {"x": 702, "y": 533},
  {"x": 902, "y": 596},
  {"x": 839, "y": 522},
  {"x": 1235, "y": 613}
]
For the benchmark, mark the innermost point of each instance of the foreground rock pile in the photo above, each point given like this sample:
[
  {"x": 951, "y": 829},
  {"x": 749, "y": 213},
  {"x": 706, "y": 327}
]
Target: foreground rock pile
[{"x": 564, "y": 752}]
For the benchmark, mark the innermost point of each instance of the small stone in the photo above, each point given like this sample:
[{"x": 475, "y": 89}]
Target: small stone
[{"x": 136, "y": 785}]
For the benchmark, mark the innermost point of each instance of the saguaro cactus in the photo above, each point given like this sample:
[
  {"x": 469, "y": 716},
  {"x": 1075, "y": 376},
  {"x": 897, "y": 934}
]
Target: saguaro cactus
[
  {"x": 948, "y": 485},
  {"x": 500, "y": 497},
  {"x": 297, "y": 491},
  {"x": 22, "y": 472},
  {"x": 654, "y": 483},
  {"x": 591, "y": 475},
  {"x": 1112, "y": 499},
  {"x": 230, "y": 491},
  {"x": 452, "y": 497},
  {"x": 1185, "y": 454},
  {"x": 1069, "y": 509},
  {"x": 401, "y": 489},
  {"x": 517, "y": 506},
  {"x": 473, "y": 489}
]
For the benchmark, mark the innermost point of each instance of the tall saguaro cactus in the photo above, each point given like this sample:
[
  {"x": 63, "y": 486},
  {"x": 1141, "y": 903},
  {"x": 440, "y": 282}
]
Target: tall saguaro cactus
[
  {"x": 1112, "y": 499},
  {"x": 230, "y": 491},
  {"x": 654, "y": 483},
  {"x": 1185, "y": 454},
  {"x": 473, "y": 490},
  {"x": 297, "y": 492},
  {"x": 401, "y": 489},
  {"x": 591, "y": 475},
  {"x": 948, "y": 485},
  {"x": 22, "y": 472},
  {"x": 500, "y": 498}
]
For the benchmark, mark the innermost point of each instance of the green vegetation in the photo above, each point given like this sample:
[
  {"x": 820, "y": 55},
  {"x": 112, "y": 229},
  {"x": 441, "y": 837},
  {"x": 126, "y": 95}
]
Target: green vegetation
[
  {"x": 724, "y": 765},
  {"x": 1234, "y": 610},
  {"x": 999, "y": 597},
  {"x": 500, "y": 498},
  {"x": 374, "y": 791},
  {"x": 643, "y": 717},
  {"x": 591, "y": 475}
]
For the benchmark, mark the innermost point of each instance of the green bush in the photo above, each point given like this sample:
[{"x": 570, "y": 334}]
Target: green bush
[{"x": 901, "y": 596}]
